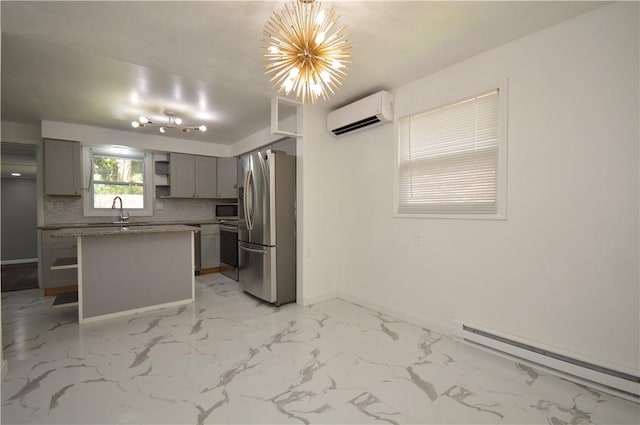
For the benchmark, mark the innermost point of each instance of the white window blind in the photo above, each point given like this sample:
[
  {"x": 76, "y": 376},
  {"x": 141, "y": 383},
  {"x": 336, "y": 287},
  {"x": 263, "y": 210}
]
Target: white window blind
[{"x": 448, "y": 159}]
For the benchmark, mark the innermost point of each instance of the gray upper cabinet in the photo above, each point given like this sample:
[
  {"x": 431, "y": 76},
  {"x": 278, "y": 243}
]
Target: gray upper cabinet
[
  {"x": 62, "y": 168},
  {"x": 206, "y": 176},
  {"x": 227, "y": 177},
  {"x": 182, "y": 171},
  {"x": 192, "y": 176}
]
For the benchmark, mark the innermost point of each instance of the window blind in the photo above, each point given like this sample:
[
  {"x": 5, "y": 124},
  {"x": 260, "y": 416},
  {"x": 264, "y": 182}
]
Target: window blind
[{"x": 448, "y": 159}]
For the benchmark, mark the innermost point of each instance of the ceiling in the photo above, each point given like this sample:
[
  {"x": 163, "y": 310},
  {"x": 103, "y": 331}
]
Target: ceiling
[{"x": 105, "y": 63}]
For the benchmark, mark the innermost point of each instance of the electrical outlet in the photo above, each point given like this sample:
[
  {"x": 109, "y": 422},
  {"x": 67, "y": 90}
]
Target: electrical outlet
[
  {"x": 59, "y": 206},
  {"x": 159, "y": 205}
]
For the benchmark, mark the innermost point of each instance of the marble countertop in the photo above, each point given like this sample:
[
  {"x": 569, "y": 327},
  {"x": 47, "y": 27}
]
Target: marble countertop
[
  {"x": 120, "y": 230},
  {"x": 58, "y": 226}
]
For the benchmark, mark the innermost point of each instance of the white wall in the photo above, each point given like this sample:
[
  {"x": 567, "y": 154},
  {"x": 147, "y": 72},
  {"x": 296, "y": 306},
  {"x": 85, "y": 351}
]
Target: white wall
[
  {"x": 20, "y": 133},
  {"x": 89, "y": 135},
  {"x": 563, "y": 269},
  {"x": 319, "y": 215},
  {"x": 263, "y": 137}
]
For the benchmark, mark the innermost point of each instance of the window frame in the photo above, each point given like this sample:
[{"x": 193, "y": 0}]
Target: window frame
[
  {"x": 501, "y": 168},
  {"x": 89, "y": 210}
]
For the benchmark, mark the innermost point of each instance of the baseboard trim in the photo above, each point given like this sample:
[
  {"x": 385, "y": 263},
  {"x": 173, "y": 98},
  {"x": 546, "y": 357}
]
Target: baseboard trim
[
  {"x": 307, "y": 301},
  {"x": 425, "y": 323},
  {"x": 135, "y": 311},
  {"x": 55, "y": 291},
  {"x": 19, "y": 261},
  {"x": 210, "y": 270}
]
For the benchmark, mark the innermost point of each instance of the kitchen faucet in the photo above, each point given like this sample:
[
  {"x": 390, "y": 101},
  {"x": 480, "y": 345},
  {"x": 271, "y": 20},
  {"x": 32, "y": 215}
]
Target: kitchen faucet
[{"x": 124, "y": 216}]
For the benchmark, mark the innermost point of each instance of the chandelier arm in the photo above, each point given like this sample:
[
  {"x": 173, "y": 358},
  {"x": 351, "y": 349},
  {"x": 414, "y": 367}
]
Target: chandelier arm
[{"x": 172, "y": 123}]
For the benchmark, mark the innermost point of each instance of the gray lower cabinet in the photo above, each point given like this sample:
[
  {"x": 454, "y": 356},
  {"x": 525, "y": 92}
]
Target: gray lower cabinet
[
  {"x": 62, "y": 168},
  {"x": 52, "y": 249},
  {"x": 192, "y": 176},
  {"x": 209, "y": 246},
  {"x": 227, "y": 180}
]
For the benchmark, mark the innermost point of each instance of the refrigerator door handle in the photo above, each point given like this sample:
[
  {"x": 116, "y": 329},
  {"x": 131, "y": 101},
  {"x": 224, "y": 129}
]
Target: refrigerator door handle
[
  {"x": 248, "y": 198},
  {"x": 257, "y": 251}
]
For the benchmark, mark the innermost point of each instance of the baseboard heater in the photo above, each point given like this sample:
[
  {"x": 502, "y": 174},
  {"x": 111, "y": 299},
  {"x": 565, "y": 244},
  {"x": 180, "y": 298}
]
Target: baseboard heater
[{"x": 624, "y": 384}]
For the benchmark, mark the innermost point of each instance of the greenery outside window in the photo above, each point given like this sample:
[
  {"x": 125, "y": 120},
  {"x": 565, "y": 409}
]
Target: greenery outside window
[
  {"x": 126, "y": 174},
  {"x": 117, "y": 176}
]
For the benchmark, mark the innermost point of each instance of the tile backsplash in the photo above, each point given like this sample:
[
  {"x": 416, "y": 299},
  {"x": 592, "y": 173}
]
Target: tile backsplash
[{"x": 66, "y": 210}]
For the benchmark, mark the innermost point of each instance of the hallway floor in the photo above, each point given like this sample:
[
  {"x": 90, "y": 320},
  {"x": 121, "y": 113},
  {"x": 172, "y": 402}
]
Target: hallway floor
[
  {"x": 229, "y": 358},
  {"x": 17, "y": 277}
]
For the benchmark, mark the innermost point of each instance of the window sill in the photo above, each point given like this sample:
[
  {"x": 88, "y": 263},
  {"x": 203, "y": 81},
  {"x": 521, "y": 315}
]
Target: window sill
[
  {"x": 495, "y": 217},
  {"x": 114, "y": 212}
]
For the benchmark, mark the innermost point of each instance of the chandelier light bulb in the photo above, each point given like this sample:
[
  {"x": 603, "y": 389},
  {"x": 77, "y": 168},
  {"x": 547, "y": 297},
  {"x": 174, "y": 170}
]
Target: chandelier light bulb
[
  {"x": 178, "y": 120},
  {"x": 162, "y": 130},
  {"x": 306, "y": 51},
  {"x": 288, "y": 85},
  {"x": 143, "y": 119},
  {"x": 135, "y": 124},
  {"x": 202, "y": 128}
]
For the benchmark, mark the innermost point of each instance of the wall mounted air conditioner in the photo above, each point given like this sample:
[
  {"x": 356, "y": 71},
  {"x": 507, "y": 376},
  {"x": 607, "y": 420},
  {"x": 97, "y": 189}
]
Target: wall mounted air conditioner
[{"x": 364, "y": 113}]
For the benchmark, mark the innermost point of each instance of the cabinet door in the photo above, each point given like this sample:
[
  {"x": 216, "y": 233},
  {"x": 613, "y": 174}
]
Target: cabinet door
[
  {"x": 182, "y": 175},
  {"x": 206, "y": 186},
  {"x": 62, "y": 168},
  {"x": 227, "y": 178},
  {"x": 210, "y": 251}
]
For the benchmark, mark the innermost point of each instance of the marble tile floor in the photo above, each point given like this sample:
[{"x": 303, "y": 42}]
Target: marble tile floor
[{"x": 231, "y": 359}]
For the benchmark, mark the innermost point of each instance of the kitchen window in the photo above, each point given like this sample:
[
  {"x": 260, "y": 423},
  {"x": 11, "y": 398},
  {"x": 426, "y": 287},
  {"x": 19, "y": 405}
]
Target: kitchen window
[
  {"x": 126, "y": 175},
  {"x": 451, "y": 160}
]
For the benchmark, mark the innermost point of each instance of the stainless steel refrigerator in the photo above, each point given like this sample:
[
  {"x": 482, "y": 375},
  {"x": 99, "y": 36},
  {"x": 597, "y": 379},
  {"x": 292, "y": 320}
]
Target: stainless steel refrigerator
[{"x": 266, "y": 226}]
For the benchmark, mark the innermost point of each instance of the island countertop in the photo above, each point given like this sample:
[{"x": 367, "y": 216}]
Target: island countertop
[
  {"x": 121, "y": 231},
  {"x": 133, "y": 222}
]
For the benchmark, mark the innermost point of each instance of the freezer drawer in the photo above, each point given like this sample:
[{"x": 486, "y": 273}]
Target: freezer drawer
[{"x": 257, "y": 270}]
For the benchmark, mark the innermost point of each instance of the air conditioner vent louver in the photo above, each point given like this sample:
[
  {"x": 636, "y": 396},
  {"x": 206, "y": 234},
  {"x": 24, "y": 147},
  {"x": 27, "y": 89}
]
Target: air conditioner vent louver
[
  {"x": 365, "y": 113},
  {"x": 356, "y": 125}
]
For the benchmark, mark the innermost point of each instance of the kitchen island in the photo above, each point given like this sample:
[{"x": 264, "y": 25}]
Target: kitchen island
[{"x": 130, "y": 269}]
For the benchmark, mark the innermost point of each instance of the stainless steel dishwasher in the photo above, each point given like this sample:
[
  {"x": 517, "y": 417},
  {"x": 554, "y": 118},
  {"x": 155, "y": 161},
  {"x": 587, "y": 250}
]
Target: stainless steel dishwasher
[{"x": 229, "y": 249}]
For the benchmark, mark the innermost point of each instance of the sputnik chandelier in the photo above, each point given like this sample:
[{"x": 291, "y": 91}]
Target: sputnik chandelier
[
  {"x": 305, "y": 52},
  {"x": 174, "y": 122}
]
